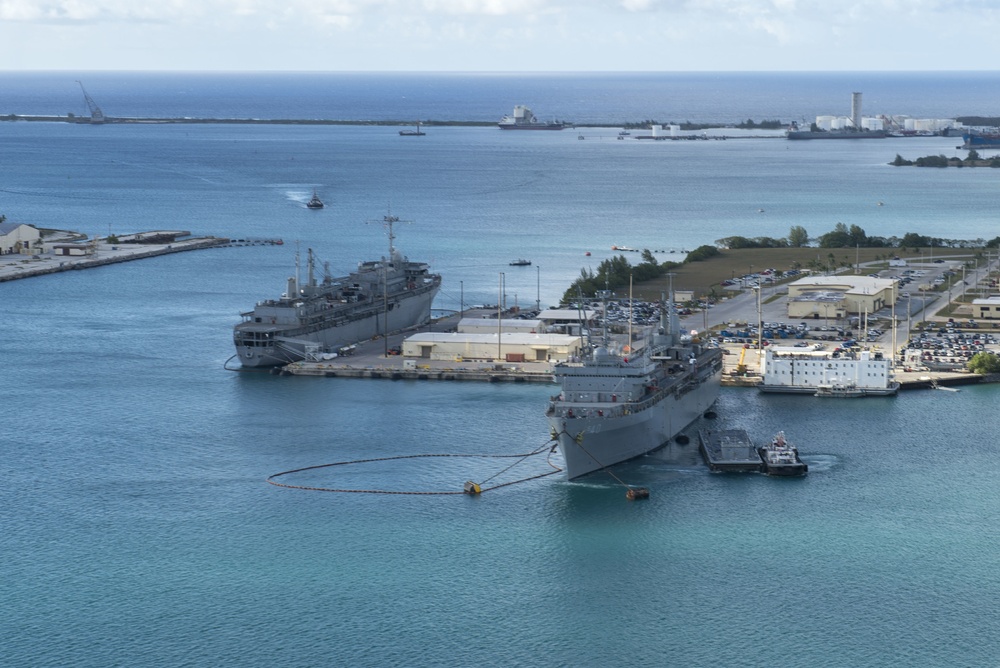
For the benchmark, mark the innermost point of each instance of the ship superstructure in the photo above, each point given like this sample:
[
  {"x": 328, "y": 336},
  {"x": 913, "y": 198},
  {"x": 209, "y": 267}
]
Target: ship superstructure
[{"x": 523, "y": 119}]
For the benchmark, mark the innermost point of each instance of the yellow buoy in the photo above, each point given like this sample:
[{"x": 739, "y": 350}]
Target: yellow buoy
[
  {"x": 472, "y": 488},
  {"x": 635, "y": 493}
]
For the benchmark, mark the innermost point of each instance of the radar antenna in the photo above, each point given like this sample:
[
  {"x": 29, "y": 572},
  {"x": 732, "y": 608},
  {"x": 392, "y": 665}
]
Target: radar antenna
[
  {"x": 388, "y": 220},
  {"x": 96, "y": 115}
]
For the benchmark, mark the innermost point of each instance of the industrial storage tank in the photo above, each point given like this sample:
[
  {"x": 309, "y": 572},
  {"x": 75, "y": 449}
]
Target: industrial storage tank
[{"x": 824, "y": 122}]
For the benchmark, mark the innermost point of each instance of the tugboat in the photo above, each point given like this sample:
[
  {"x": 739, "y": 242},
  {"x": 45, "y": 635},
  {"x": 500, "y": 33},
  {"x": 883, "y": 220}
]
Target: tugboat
[
  {"x": 412, "y": 133},
  {"x": 780, "y": 458},
  {"x": 315, "y": 202}
]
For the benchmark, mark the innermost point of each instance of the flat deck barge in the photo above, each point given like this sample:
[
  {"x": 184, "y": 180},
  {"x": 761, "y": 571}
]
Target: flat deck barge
[{"x": 728, "y": 450}]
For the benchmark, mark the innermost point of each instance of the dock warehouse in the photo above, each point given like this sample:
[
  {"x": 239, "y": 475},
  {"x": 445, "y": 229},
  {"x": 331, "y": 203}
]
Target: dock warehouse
[
  {"x": 987, "y": 308},
  {"x": 567, "y": 320},
  {"x": 18, "y": 238},
  {"x": 512, "y": 346},
  {"x": 72, "y": 249},
  {"x": 492, "y": 325},
  {"x": 836, "y": 296}
]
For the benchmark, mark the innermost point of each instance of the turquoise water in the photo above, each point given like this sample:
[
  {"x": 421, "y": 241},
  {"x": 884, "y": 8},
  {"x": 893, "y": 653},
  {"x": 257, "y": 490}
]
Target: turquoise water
[{"x": 138, "y": 528}]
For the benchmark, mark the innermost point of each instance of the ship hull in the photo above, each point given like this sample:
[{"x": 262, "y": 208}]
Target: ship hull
[
  {"x": 556, "y": 126},
  {"x": 610, "y": 440},
  {"x": 888, "y": 391},
  {"x": 981, "y": 141},
  {"x": 342, "y": 331},
  {"x": 835, "y": 134}
]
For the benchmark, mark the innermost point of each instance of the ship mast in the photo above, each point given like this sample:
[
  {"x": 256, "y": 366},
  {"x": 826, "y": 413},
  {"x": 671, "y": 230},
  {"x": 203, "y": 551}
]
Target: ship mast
[{"x": 388, "y": 220}]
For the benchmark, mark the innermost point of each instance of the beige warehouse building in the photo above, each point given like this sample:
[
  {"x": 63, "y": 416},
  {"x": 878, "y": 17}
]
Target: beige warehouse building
[
  {"x": 511, "y": 347},
  {"x": 838, "y": 296}
]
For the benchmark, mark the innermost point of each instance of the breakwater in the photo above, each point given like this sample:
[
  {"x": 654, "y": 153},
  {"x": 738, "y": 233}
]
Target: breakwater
[{"x": 51, "y": 264}]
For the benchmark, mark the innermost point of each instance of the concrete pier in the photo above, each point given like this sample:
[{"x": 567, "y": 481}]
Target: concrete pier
[{"x": 13, "y": 267}]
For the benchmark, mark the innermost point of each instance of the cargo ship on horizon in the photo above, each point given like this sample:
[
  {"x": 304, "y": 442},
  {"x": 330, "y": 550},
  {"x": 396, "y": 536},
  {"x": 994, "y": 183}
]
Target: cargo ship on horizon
[
  {"x": 523, "y": 119},
  {"x": 847, "y": 133}
]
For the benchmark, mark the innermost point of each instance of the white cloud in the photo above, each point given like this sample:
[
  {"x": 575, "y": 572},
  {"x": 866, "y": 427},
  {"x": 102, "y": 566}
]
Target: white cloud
[
  {"x": 507, "y": 34},
  {"x": 485, "y": 7}
]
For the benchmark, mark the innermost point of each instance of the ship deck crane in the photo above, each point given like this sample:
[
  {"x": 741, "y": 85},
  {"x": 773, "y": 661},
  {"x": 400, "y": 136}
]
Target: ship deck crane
[
  {"x": 96, "y": 115},
  {"x": 741, "y": 368}
]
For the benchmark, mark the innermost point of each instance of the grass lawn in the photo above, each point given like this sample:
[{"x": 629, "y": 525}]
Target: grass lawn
[{"x": 702, "y": 276}]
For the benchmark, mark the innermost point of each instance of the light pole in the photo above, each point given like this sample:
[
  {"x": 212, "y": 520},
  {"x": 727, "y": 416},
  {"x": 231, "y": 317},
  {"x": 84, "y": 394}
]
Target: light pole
[
  {"x": 503, "y": 291},
  {"x": 760, "y": 328},
  {"x": 538, "y": 288},
  {"x": 499, "y": 317},
  {"x": 908, "y": 310}
]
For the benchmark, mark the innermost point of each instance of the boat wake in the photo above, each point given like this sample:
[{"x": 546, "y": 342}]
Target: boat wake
[{"x": 819, "y": 463}]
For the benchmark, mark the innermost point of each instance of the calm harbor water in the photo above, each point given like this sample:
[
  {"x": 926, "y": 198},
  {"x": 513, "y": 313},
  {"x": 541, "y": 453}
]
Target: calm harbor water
[{"x": 138, "y": 528}]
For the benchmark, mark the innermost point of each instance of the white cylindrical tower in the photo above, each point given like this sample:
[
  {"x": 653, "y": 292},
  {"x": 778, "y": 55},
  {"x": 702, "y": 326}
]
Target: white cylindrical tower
[{"x": 856, "y": 109}]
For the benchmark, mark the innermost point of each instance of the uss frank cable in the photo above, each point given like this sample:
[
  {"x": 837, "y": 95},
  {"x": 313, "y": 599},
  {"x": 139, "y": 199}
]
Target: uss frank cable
[
  {"x": 381, "y": 297},
  {"x": 618, "y": 404}
]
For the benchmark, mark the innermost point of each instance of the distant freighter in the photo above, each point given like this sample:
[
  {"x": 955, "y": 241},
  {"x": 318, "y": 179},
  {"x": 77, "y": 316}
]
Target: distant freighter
[
  {"x": 837, "y": 134},
  {"x": 981, "y": 140},
  {"x": 523, "y": 119}
]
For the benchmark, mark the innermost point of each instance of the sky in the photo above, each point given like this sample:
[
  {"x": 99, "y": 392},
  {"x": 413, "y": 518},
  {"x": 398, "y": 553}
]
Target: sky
[{"x": 500, "y": 35}]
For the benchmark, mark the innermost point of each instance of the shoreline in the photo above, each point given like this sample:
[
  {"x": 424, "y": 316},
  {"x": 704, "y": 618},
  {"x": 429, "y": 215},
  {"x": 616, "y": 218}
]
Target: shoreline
[{"x": 628, "y": 125}]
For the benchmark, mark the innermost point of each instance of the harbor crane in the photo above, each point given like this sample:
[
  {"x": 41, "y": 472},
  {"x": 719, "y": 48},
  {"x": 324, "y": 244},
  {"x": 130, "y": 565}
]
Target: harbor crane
[{"x": 96, "y": 115}]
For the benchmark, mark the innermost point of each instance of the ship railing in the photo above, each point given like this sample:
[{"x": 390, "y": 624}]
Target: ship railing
[{"x": 589, "y": 411}]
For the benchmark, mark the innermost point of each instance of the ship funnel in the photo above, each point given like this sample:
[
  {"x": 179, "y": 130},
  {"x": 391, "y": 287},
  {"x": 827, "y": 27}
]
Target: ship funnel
[{"x": 293, "y": 288}]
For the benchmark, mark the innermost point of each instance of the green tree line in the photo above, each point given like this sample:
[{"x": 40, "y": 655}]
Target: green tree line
[
  {"x": 853, "y": 236},
  {"x": 615, "y": 272}
]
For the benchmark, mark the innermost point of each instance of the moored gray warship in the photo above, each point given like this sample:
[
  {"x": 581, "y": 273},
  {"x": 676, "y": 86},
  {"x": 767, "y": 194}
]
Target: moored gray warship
[
  {"x": 617, "y": 404},
  {"x": 382, "y": 296}
]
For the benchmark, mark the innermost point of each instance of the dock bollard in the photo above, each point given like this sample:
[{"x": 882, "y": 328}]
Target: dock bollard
[{"x": 635, "y": 493}]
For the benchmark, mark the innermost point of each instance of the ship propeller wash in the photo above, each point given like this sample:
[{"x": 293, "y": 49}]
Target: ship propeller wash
[
  {"x": 617, "y": 404},
  {"x": 321, "y": 317}
]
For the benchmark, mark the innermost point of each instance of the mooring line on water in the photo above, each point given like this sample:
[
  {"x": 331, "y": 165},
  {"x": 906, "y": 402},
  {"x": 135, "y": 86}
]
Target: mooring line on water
[
  {"x": 520, "y": 458},
  {"x": 630, "y": 492}
]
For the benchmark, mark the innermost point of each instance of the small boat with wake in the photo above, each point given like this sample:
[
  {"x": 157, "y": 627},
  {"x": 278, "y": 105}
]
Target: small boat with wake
[
  {"x": 315, "y": 202},
  {"x": 780, "y": 458},
  {"x": 521, "y": 262}
]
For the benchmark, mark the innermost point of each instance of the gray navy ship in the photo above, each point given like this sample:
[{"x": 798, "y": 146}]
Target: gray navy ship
[
  {"x": 385, "y": 295},
  {"x": 618, "y": 404}
]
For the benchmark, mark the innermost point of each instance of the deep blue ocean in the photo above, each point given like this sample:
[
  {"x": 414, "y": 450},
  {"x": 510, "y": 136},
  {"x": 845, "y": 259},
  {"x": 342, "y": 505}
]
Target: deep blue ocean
[{"x": 137, "y": 526}]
